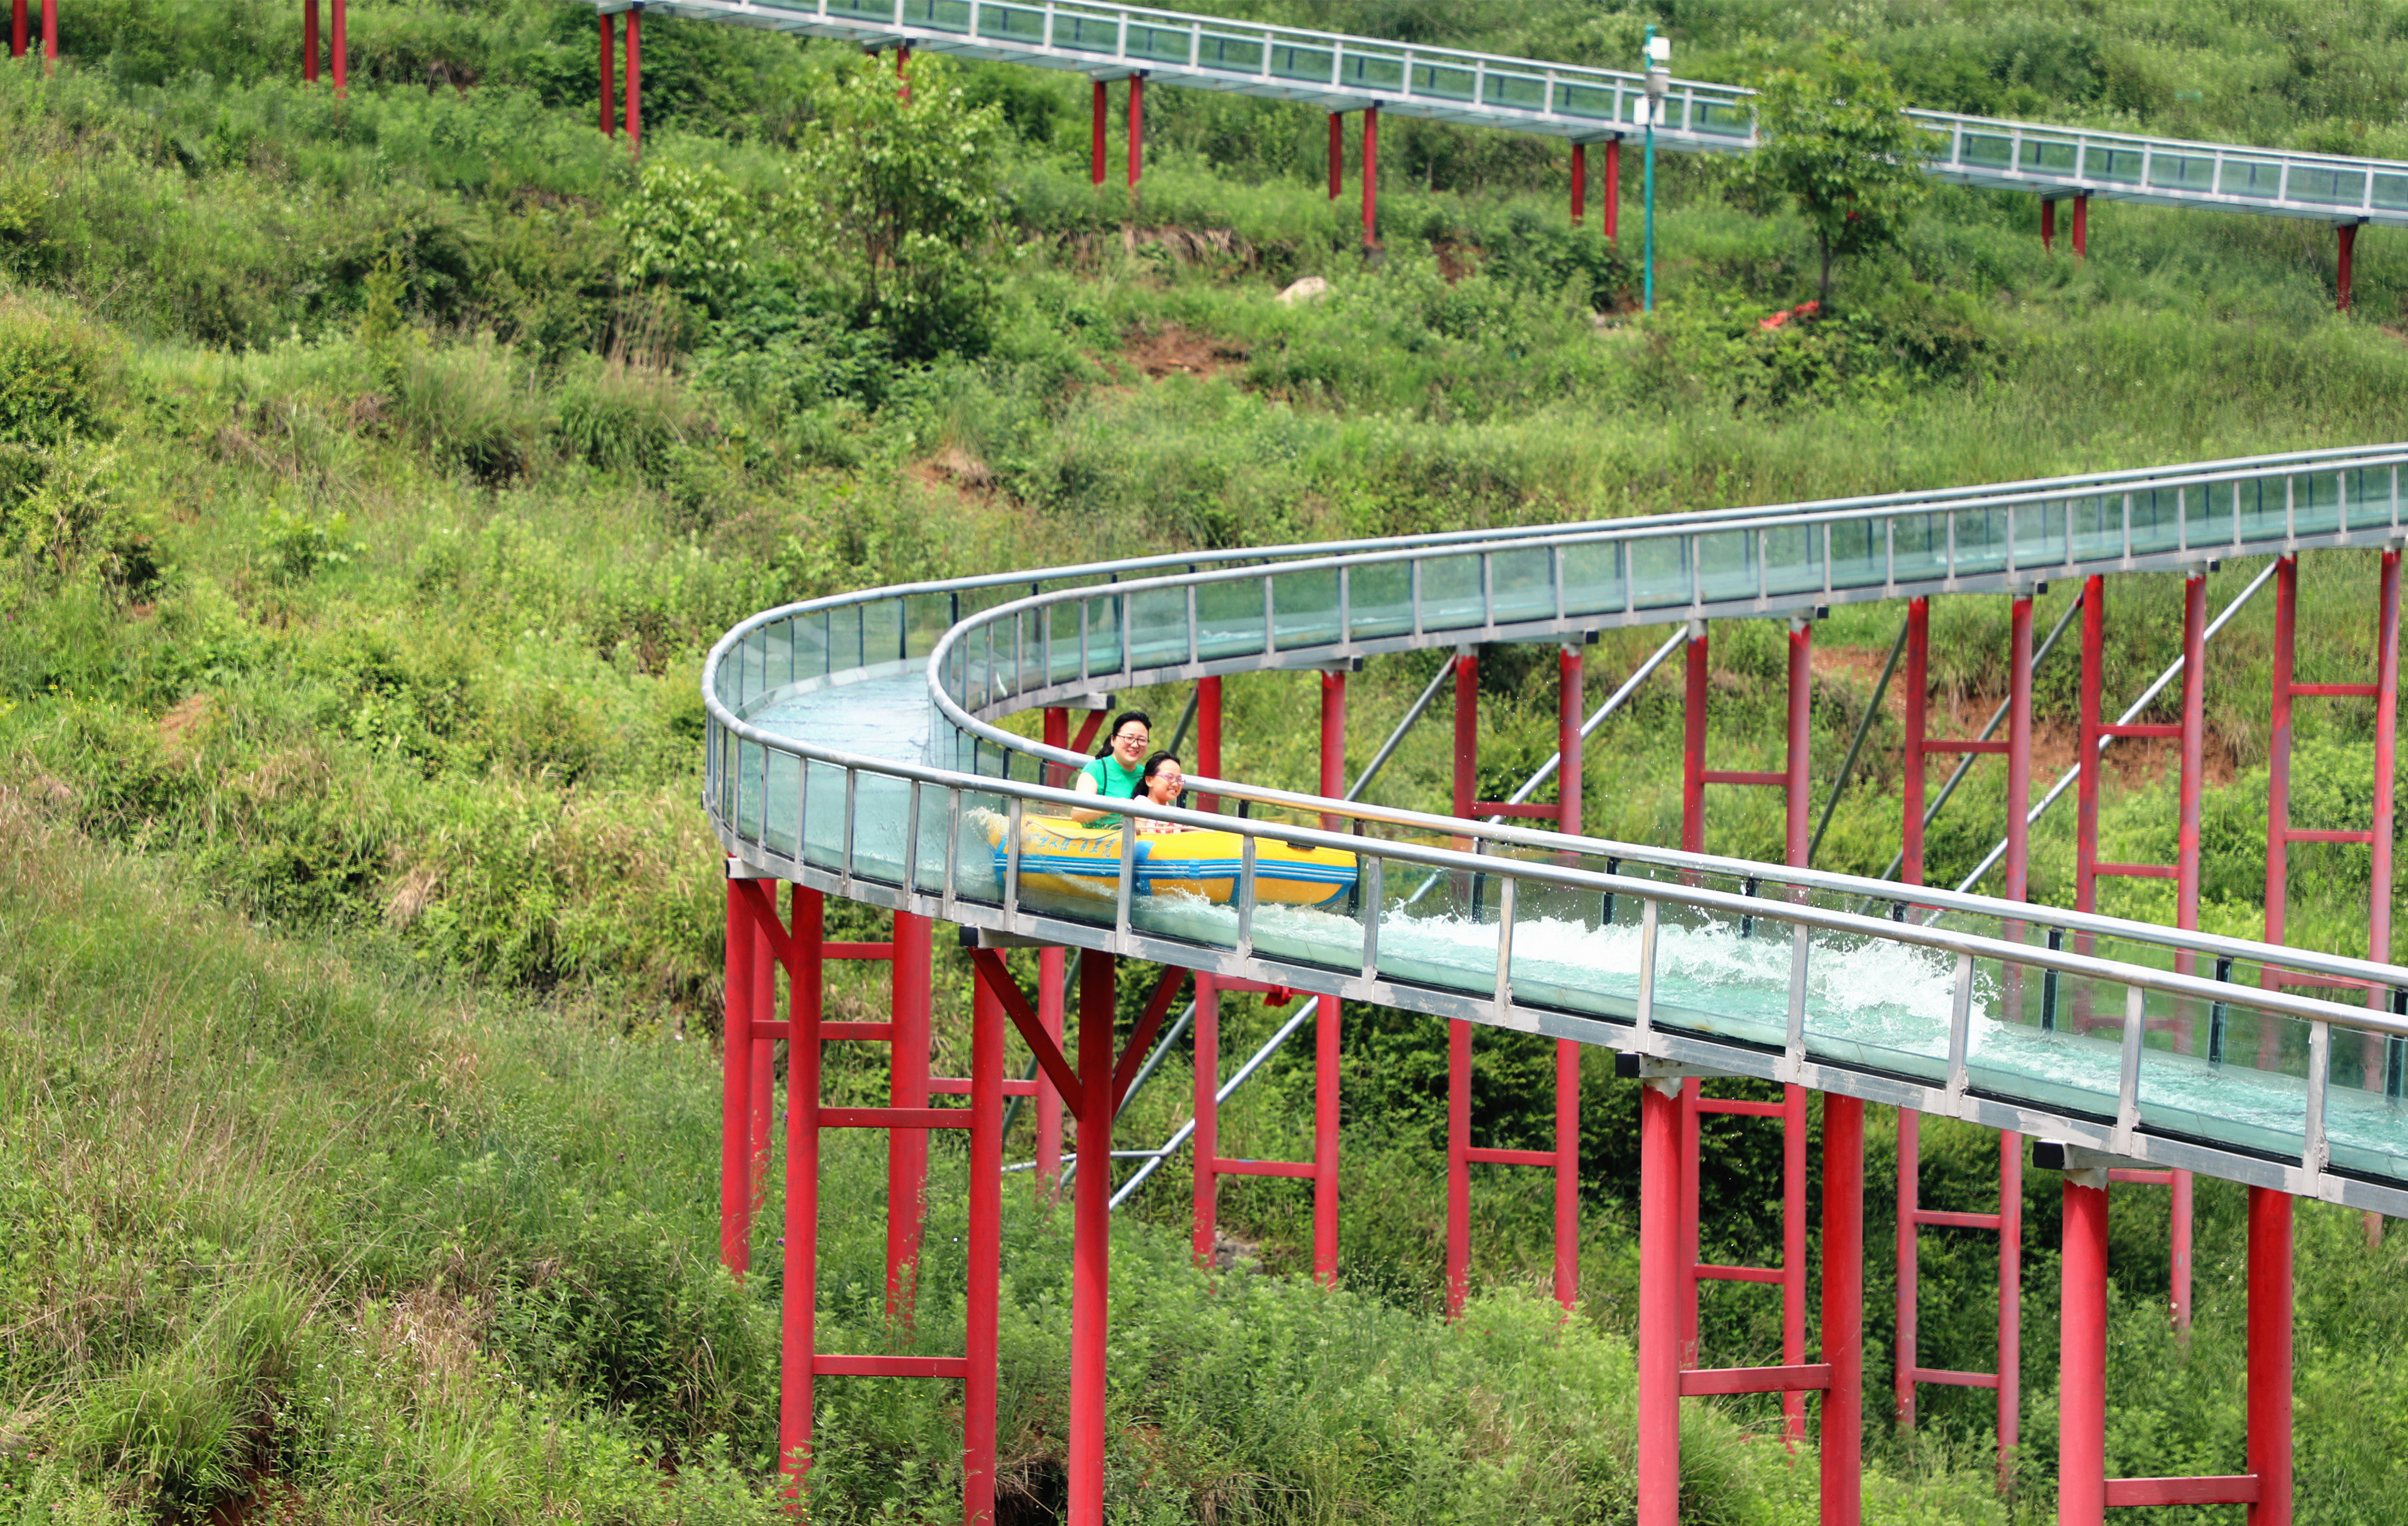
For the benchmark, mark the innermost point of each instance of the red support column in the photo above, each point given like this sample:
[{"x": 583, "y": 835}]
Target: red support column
[
  {"x": 16, "y": 30},
  {"x": 1693, "y": 745},
  {"x": 1843, "y": 1309},
  {"x": 1136, "y": 128},
  {"x": 1570, "y": 689},
  {"x": 1580, "y": 183},
  {"x": 2047, "y": 225},
  {"x": 1918, "y": 683},
  {"x": 2194, "y": 774},
  {"x": 51, "y": 35},
  {"x": 340, "y": 46},
  {"x": 797, "y": 1299},
  {"x": 1467, "y": 730},
  {"x": 1324, "y": 1142},
  {"x": 1458, "y": 1163},
  {"x": 2011, "y": 1303},
  {"x": 1660, "y": 1356},
  {"x": 982, "y": 1312},
  {"x": 1568, "y": 1174},
  {"x": 1337, "y": 154},
  {"x": 1096, "y": 137},
  {"x": 1206, "y": 1147},
  {"x": 764, "y": 1063},
  {"x": 2019, "y": 704},
  {"x": 1903, "y": 1344},
  {"x": 907, "y": 1087},
  {"x": 609, "y": 93},
  {"x": 2270, "y": 1356},
  {"x": 1798, "y": 791},
  {"x": 2386, "y": 727},
  {"x": 308, "y": 38},
  {"x": 903, "y": 73},
  {"x": 2082, "y": 1363},
  {"x": 1798, "y": 806},
  {"x": 635, "y": 81},
  {"x": 2347, "y": 234},
  {"x": 1207, "y": 738},
  {"x": 1090, "y": 1241},
  {"x": 1333, "y": 743},
  {"x": 1613, "y": 188},
  {"x": 1370, "y": 176},
  {"x": 2088, "y": 741},
  {"x": 736, "y": 1088},
  {"x": 2081, "y": 227}
]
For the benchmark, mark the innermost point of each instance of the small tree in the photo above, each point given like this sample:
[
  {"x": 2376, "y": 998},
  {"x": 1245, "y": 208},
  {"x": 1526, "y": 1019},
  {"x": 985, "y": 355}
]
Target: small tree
[
  {"x": 1837, "y": 144},
  {"x": 894, "y": 198}
]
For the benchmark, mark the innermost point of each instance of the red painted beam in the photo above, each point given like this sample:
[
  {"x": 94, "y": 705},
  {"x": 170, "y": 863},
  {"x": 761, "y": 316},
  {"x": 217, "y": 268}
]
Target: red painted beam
[
  {"x": 2233, "y": 1489},
  {"x": 1806, "y": 1378}
]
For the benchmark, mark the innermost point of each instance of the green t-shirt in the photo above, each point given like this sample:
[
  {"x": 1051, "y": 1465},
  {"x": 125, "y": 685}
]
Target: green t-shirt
[{"x": 1114, "y": 782}]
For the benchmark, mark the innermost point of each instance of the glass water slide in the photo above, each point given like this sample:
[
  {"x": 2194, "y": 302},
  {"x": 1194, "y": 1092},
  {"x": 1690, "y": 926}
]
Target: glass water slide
[
  {"x": 1343, "y": 73},
  {"x": 851, "y": 746}
]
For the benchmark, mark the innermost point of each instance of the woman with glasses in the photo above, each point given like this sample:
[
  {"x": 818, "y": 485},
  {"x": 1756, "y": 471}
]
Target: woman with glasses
[
  {"x": 1165, "y": 783},
  {"x": 1117, "y": 772}
]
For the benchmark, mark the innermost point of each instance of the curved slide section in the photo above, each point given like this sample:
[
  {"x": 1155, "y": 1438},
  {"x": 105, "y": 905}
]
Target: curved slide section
[{"x": 852, "y": 746}]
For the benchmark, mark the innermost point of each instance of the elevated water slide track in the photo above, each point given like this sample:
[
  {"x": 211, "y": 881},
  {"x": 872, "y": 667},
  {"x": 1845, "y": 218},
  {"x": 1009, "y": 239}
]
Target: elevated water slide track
[
  {"x": 1342, "y": 74},
  {"x": 851, "y": 749}
]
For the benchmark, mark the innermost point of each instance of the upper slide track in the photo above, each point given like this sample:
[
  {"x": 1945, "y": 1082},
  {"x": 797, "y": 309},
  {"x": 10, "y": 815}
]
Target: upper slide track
[{"x": 851, "y": 746}]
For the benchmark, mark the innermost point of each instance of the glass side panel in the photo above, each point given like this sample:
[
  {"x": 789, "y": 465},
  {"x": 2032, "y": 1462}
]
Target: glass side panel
[
  {"x": 1442, "y": 81},
  {"x": 2263, "y": 505},
  {"x": 867, "y": 11},
  {"x": 1727, "y": 566},
  {"x": 2106, "y": 161},
  {"x": 2315, "y": 503},
  {"x": 2049, "y": 156},
  {"x": 844, "y": 640},
  {"x": 1220, "y": 51},
  {"x": 1164, "y": 44},
  {"x": 1723, "y": 119},
  {"x": 1229, "y": 618},
  {"x": 1379, "y": 599},
  {"x": 1371, "y": 71},
  {"x": 1305, "y": 605},
  {"x": 1981, "y": 540},
  {"x": 1104, "y": 634},
  {"x": 1918, "y": 547},
  {"x": 2391, "y": 191},
  {"x": 1158, "y": 627},
  {"x": 2038, "y": 535},
  {"x": 2172, "y": 171},
  {"x": 823, "y": 818},
  {"x": 2260, "y": 179},
  {"x": 2327, "y": 187},
  {"x": 880, "y": 809},
  {"x": 926, "y": 618},
  {"x": 1292, "y": 61},
  {"x": 881, "y": 631},
  {"x": 938, "y": 15},
  {"x": 1593, "y": 577},
  {"x": 1516, "y": 92},
  {"x": 1569, "y": 958},
  {"x": 1054, "y": 637},
  {"x": 978, "y": 875},
  {"x": 809, "y": 635},
  {"x": 2207, "y": 515},
  {"x": 779, "y": 815},
  {"x": 1859, "y": 552},
  {"x": 1522, "y": 586},
  {"x": 1659, "y": 572},
  {"x": 1451, "y": 598},
  {"x": 1439, "y": 929},
  {"x": 2156, "y": 519},
  {"x": 2366, "y": 497},
  {"x": 2096, "y": 525},
  {"x": 1793, "y": 559},
  {"x": 1985, "y": 149},
  {"x": 1088, "y": 32},
  {"x": 2365, "y": 1123},
  {"x": 2059, "y": 1039},
  {"x": 1017, "y": 23},
  {"x": 1593, "y": 102}
]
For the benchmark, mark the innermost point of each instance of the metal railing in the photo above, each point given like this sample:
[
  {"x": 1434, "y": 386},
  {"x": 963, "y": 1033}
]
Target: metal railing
[
  {"x": 945, "y": 841},
  {"x": 1343, "y": 73}
]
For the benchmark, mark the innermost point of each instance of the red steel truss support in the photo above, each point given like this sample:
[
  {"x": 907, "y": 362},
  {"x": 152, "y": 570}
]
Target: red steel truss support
[
  {"x": 1580, "y": 184},
  {"x": 1613, "y": 188},
  {"x": 609, "y": 94},
  {"x": 797, "y": 1294},
  {"x": 1210, "y": 1164},
  {"x": 903, "y": 73},
  {"x": 16, "y": 30},
  {"x": 2047, "y": 225},
  {"x": 1136, "y": 129},
  {"x": 1337, "y": 154},
  {"x": 1461, "y": 1154},
  {"x": 1912, "y": 1216},
  {"x": 2347, "y": 235},
  {"x": 635, "y": 77},
  {"x": 1333, "y": 743},
  {"x": 1664, "y": 1375},
  {"x": 1370, "y": 176},
  {"x": 339, "y": 45},
  {"x": 1793, "y": 780},
  {"x": 2190, "y": 735},
  {"x": 1096, "y": 135},
  {"x": 50, "y": 35},
  {"x": 1205, "y": 1239},
  {"x": 2084, "y": 1492},
  {"x": 1091, "y": 1240},
  {"x": 1207, "y": 738},
  {"x": 736, "y": 1088},
  {"x": 906, "y": 1088},
  {"x": 2081, "y": 227},
  {"x": 309, "y": 38}
]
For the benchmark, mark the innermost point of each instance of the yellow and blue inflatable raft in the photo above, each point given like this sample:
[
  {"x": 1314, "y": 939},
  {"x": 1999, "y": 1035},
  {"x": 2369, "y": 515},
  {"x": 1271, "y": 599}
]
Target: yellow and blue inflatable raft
[{"x": 1061, "y": 857}]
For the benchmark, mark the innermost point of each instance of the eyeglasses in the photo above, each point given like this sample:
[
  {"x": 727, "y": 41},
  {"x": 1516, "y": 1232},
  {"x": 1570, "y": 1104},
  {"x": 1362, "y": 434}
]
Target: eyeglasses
[{"x": 1137, "y": 737}]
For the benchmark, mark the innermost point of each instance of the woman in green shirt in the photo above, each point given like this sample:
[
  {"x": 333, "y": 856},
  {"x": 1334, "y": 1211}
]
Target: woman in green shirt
[{"x": 1114, "y": 773}]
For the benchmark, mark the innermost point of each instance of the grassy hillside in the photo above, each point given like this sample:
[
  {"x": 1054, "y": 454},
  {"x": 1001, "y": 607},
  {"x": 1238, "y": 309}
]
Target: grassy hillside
[{"x": 373, "y": 475}]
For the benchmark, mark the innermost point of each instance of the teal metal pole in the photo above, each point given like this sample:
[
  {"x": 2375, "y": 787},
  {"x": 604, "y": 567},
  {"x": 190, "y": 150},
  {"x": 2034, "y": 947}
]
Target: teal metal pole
[{"x": 1649, "y": 279}]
